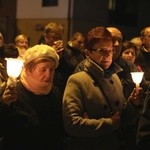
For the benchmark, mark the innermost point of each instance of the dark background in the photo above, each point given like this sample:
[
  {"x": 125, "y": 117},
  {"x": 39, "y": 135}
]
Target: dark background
[{"x": 130, "y": 16}]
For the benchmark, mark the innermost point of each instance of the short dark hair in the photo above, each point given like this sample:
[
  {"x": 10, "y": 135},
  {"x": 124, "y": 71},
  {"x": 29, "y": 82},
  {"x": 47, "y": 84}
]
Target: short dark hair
[
  {"x": 53, "y": 27},
  {"x": 128, "y": 45},
  {"x": 95, "y": 35}
]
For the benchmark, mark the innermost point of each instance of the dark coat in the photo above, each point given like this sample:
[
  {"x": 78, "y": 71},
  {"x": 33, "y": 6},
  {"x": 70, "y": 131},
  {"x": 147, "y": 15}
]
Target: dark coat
[
  {"x": 143, "y": 133},
  {"x": 143, "y": 60},
  {"x": 32, "y": 122}
]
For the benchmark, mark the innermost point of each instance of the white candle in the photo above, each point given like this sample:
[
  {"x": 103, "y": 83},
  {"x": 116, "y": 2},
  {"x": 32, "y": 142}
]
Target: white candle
[
  {"x": 137, "y": 78},
  {"x": 14, "y": 67}
]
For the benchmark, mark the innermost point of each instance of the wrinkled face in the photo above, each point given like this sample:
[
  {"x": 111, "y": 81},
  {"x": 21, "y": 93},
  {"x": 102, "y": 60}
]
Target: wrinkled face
[
  {"x": 129, "y": 54},
  {"x": 102, "y": 54},
  {"x": 43, "y": 72}
]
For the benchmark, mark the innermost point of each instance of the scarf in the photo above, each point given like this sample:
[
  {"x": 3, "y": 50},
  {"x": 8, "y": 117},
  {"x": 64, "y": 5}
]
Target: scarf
[{"x": 108, "y": 72}]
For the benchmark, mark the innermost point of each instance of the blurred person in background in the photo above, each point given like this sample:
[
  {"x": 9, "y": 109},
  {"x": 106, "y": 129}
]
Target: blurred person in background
[
  {"x": 143, "y": 57},
  {"x": 6, "y": 51},
  {"x": 74, "y": 51},
  {"x": 127, "y": 82},
  {"x": 127, "y": 66},
  {"x": 137, "y": 41},
  {"x": 53, "y": 36},
  {"x": 22, "y": 43}
]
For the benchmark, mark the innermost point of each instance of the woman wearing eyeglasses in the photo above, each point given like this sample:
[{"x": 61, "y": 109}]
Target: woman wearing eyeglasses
[{"x": 94, "y": 106}]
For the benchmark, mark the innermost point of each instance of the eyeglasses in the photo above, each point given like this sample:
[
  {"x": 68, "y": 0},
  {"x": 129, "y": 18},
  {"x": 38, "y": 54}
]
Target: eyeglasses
[{"x": 104, "y": 51}]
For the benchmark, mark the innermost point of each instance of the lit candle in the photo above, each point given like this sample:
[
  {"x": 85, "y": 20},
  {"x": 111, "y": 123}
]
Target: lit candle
[
  {"x": 14, "y": 67},
  {"x": 137, "y": 78}
]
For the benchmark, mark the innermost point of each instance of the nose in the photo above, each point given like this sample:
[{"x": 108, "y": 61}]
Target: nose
[{"x": 130, "y": 54}]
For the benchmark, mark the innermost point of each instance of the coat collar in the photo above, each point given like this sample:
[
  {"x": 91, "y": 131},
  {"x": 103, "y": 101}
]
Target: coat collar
[{"x": 95, "y": 70}]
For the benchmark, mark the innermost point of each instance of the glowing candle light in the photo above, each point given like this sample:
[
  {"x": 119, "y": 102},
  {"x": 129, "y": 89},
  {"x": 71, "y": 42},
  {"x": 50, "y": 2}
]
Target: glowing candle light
[
  {"x": 14, "y": 67},
  {"x": 137, "y": 78}
]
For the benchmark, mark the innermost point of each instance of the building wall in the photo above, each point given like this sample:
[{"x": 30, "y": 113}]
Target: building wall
[
  {"x": 8, "y": 19},
  {"x": 130, "y": 16},
  {"x": 25, "y": 17},
  {"x": 29, "y": 9},
  {"x": 31, "y": 15}
]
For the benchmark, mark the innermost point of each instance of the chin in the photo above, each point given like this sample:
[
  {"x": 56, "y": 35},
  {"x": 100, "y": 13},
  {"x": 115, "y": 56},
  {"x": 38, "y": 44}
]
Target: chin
[{"x": 106, "y": 66}]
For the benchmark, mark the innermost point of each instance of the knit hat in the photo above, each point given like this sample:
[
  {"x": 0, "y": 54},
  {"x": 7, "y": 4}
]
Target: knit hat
[{"x": 39, "y": 51}]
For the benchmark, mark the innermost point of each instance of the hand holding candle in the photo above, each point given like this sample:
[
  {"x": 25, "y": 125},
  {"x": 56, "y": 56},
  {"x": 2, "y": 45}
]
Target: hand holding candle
[{"x": 137, "y": 94}]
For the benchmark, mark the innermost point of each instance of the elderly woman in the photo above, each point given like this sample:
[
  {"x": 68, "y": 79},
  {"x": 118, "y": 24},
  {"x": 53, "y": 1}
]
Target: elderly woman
[{"x": 30, "y": 113}]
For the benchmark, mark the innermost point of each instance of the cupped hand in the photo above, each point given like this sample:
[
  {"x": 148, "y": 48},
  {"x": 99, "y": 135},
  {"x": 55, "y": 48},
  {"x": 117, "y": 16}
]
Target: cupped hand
[
  {"x": 58, "y": 46},
  {"x": 136, "y": 97},
  {"x": 9, "y": 95}
]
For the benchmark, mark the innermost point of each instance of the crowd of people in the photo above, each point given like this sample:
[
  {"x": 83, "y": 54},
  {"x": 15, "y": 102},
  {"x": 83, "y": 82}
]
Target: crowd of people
[{"x": 78, "y": 96}]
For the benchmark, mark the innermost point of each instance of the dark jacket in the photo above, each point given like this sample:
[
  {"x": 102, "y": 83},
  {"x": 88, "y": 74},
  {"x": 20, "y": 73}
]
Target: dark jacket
[
  {"x": 143, "y": 60},
  {"x": 32, "y": 122},
  {"x": 73, "y": 56},
  {"x": 125, "y": 75},
  {"x": 143, "y": 133}
]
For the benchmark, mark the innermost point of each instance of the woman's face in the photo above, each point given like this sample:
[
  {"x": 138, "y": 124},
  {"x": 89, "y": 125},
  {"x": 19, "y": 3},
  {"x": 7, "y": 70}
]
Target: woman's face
[
  {"x": 129, "y": 54},
  {"x": 102, "y": 54},
  {"x": 22, "y": 43},
  {"x": 44, "y": 71}
]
